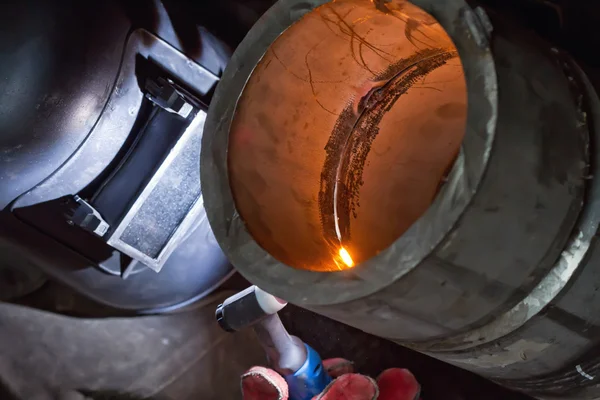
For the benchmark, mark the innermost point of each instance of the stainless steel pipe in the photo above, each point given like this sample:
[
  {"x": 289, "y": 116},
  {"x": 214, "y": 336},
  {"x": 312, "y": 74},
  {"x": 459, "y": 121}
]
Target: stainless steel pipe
[{"x": 468, "y": 203}]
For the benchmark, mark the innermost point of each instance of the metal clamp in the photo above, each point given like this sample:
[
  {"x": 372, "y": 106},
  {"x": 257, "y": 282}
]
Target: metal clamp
[
  {"x": 163, "y": 93},
  {"x": 86, "y": 217}
]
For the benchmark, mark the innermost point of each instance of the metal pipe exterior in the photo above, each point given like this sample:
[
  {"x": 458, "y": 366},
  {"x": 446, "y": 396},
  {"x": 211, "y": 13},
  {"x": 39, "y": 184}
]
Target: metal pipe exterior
[{"x": 498, "y": 275}]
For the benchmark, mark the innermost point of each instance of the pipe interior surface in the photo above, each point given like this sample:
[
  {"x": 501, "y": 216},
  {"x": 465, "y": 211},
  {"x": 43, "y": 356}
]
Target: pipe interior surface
[{"x": 345, "y": 132}]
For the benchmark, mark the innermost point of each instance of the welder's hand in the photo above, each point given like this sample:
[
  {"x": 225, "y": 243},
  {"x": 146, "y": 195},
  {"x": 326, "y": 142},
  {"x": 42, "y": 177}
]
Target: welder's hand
[{"x": 261, "y": 383}]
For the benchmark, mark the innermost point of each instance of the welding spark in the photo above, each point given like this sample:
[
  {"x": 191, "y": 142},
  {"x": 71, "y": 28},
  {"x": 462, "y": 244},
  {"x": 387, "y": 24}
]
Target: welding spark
[{"x": 346, "y": 258}]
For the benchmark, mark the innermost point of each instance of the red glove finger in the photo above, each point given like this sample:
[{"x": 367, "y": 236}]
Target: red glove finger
[
  {"x": 260, "y": 383},
  {"x": 263, "y": 383},
  {"x": 338, "y": 366},
  {"x": 350, "y": 387},
  {"x": 398, "y": 384}
]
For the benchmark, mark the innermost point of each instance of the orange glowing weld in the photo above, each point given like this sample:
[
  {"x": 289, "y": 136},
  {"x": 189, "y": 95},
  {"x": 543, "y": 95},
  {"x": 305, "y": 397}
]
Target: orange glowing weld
[{"x": 346, "y": 258}]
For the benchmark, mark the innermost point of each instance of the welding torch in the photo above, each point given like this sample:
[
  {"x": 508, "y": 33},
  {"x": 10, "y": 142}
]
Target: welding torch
[{"x": 298, "y": 363}]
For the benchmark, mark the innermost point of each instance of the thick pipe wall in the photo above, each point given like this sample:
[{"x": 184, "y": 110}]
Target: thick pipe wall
[{"x": 498, "y": 275}]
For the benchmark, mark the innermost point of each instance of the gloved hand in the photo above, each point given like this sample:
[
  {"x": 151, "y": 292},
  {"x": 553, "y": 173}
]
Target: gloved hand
[{"x": 260, "y": 383}]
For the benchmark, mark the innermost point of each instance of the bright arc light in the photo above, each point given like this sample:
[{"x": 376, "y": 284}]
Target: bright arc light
[{"x": 346, "y": 258}]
